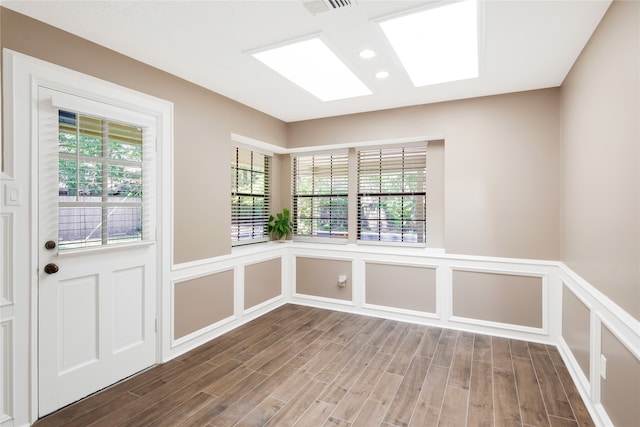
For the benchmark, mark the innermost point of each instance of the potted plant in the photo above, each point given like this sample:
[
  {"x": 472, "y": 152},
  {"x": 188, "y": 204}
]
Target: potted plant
[{"x": 281, "y": 225}]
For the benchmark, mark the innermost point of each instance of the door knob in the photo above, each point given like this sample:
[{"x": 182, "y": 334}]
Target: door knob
[
  {"x": 50, "y": 245},
  {"x": 51, "y": 268}
]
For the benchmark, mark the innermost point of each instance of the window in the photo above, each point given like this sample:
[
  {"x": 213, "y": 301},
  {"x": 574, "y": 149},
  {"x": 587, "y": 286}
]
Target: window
[
  {"x": 249, "y": 196},
  {"x": 320, "y": 195},
  {"x": 100, "y": 177},
  {"x": 391, "y": 194}
]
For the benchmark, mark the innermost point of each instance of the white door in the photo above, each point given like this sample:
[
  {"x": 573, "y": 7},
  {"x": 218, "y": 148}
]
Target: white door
[{"x": 97, "y": 249}]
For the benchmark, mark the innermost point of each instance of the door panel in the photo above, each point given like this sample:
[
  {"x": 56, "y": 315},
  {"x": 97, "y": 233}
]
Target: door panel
[{"x": 97, "y": 312}]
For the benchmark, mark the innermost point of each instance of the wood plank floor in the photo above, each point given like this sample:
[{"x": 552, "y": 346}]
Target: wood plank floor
[{"x": 312, "y": 367}]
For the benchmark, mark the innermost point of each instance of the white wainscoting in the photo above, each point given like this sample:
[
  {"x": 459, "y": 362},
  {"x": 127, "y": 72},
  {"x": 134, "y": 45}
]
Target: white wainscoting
[
  {"x": 605, "y": 312},
  {"x": 553, "y": 276}
]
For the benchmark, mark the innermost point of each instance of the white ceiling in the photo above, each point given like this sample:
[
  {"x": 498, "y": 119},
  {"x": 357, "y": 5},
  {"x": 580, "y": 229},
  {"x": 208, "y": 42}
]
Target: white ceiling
[{"x": 524, "y": 45}]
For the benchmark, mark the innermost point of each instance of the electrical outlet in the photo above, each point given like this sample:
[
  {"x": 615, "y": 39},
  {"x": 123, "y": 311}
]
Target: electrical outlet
[{"x": 603, "y": 367}]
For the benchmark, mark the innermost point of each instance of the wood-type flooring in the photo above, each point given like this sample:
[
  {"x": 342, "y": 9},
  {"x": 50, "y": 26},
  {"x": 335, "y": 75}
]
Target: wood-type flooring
[{"x": 302, "y": 366}]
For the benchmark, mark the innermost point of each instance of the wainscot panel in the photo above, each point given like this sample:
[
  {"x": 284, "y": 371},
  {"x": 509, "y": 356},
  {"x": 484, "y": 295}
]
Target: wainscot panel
[
  {"x": 620, "y": 391},
  {"x": 576, "y": 321},
  {"x": 498, "y": 297},
  {"x": 320, "y": 277},
  {"x": 202, "y": 301},
  {"x": 262, "y": 282},
  {"x": 401, "y": 286}
]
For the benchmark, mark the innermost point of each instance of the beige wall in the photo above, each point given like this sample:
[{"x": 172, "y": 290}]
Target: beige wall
[
  {"x": 319, "y": 277},
  {"x": 202, "y": 302},
  {"x": 203, "y": 123},
  {"x": 620, "y": 393},
  {"x": 501, "y": 166},
  {"x": 503, "y": 298},
  {"x": 401, "y": 286},
  {"x": 262, "y": 281},
  {"x": 600, "y": 102},
  {"x": 576, "y": 321}
]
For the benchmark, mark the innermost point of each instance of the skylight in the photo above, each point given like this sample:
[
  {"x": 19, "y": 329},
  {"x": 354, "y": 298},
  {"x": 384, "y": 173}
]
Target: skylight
[
  {"x": 437, "y": 45},
  {"x": 314, "y": 67}
]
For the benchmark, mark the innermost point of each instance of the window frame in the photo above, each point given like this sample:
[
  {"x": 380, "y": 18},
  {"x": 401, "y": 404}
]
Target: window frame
[
  {"x": 106, "y": 204},
  {"x": 390, "y": 166},
  {"x": 266, "y": 195},
  {"x": 330, "y": 161}
]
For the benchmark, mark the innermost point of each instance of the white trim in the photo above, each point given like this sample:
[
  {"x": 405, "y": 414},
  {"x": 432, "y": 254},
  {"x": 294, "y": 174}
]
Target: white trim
[
  {"x": 325, "y": 300},
  {"x": 176, "y": 342},
  {"x": 263, "y": 305},
  {"x": 402, "y": 311},
  {"x": 256, "y": 145},
  {"x": 268, "y": 148},
  {"x": 23, "y": 75},
  {"x": 101, "y": 109},
  {"x": 498, "y": 325}
]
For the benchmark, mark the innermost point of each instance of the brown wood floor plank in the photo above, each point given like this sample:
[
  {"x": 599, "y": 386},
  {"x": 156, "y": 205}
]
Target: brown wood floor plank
[
  {"x": 101, "y": 411},
  {"x": 507, "y": 409},
  {"x": 444, "y": 351},
  {"x": 372, "y": 414},
  {"x": 480, "y": 411},
  {"x": 519, "y": 348},
  {"x": 259, "y": 415},
  {"x": 386, "y": 388},
  {"x": 159, "y": 408},
  {"x": 296, "y": 407},
  {"x": 451, "y": 415},
  {"x": 531, "y": 404},
  {"x": 336, "y": 422},
  {"x": 337, "y": 363},
  {"x": 562, "y": 422},
  {"x": 382, "y": 333},
  {"x": 348, "y": 376},
  {"x": 392, "y": 344},
  {"x": 405, "y": 400},
  {"x": 482, "y": 349},
  {"x": 307, "y": 366},
  {"x": 429, "y": 342},
  {"x": 302, "y": 377},
  {"x": 405, "y": 353},
  {"x": 353, "y": 401},
  {"x": 316, "y": 415},
  {"x": 461, "y": 365},
  {"x": 577, "y": 404},
  {"x": 429, "y": 403},
  {"x": 245, "y": 404},
  {"x": 555, "y": 399},
  {"x": 183, "y": 411},
  {"x": 501, "y": 353},
  {"x": 151, "y": 399}
]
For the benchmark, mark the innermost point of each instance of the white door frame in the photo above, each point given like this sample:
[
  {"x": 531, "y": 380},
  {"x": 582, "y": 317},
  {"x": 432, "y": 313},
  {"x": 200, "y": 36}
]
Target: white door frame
[{"x": 22, "y": 76}]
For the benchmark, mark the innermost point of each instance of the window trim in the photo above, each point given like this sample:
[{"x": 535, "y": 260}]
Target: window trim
[
  {"x": 269, "y": 160},
  {"x": 423, "y": 145},
  {"x": 343, "y": 238}
]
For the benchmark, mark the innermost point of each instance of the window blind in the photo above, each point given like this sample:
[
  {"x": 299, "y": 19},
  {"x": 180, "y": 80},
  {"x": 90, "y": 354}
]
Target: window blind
[
  {"x": 249, "y": 195},
  {"x": 320, "y": 195},
  {"x": 391, "y": 194}
]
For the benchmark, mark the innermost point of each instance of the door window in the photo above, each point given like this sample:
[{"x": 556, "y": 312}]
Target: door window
[{"x": 100, "y": 181}]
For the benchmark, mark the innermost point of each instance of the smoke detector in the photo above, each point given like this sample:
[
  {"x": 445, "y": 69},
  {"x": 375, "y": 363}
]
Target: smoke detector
[{"x": 316, "y": 7}]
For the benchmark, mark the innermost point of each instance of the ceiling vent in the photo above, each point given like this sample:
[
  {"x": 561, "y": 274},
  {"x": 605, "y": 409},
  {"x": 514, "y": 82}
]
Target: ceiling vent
[{"x": 320, "y": 6}]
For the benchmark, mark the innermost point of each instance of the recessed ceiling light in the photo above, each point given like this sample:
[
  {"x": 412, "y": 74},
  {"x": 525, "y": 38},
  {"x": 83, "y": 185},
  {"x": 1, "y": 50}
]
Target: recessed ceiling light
[
  {"x": 437, "y": 45},
  {"x": 311, "y": 65},
  {"x": 367, "y": 54},
  {"x": 382, "y": 74}
]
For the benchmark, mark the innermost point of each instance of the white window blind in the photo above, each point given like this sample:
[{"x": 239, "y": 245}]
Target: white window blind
[
  {"x": 249, "y": 195},
  {"x": 391, "y": 194},
  {"x": 320, "y": 195}
]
